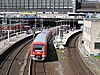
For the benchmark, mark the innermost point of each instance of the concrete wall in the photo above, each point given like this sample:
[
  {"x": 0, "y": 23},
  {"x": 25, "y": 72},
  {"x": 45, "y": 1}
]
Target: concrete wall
[
  {"x": 95, "y": 35},
  {"x": 86, "y": 35},
  {"x": 91, "y": 34}
]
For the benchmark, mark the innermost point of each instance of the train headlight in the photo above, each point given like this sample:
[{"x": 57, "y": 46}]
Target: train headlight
[
  {"x": 43, "y": 53},
  {"x": 38, "y": 52}
]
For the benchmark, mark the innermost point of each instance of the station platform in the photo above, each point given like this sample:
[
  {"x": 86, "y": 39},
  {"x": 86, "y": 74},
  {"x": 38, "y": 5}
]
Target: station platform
[
  {"x": 59, "y": 42},
  {"x": 4, "y": 44},
  {"x": 92, "y": 62}
]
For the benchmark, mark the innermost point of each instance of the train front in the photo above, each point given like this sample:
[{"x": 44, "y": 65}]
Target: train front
[{"x": 38, "y": 51}]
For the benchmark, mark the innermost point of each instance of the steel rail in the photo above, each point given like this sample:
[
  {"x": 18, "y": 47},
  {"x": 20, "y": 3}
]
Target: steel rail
[
  {"x": 76, "y": 59},
  {"x": 37, "y": 68},
  {"x": 15, "y": 53}
]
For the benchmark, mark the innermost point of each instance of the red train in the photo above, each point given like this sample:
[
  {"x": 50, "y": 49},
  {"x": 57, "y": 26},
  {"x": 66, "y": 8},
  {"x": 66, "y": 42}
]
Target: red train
[
  {"x": 17, "y": 26},
  {"x": 38, "y": 47}
]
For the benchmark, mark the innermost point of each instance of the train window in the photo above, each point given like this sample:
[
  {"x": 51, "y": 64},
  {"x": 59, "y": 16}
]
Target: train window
[
  {"x": 38, "y": 47},
  {"x": 27, "y": 27}
]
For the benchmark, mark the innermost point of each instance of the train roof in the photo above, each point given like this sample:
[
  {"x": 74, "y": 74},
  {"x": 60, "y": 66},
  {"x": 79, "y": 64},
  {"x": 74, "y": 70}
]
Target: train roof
[
  {"x": 40, "y": 38},
  {"x": 45, "y": 31},
  {"x": 54, "y": 28}
]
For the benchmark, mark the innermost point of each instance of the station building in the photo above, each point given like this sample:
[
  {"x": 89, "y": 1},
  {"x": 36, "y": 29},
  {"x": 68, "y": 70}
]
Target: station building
[
  {"x": 91, "y": 36},
  {"x": 88, "y": 6},
  {"x": 60, "y": 6}
]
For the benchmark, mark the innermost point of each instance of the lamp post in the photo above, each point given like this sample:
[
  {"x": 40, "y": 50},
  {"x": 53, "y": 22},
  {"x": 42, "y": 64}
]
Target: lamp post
[
  {"x": 21, "y": 25},
  {"x": 61, "y": 30},
  {"x": 74, "y": 26},
  {"x": 53, "y": 6},
  {"x": 10, "y": 25},
  {"x": 9, "y": 31},
  {"x": 69, "y": 24},
  {"x": 8, "y": 36},
  {"x": 35, "y": 23},
  {"x": 42, "y": 24},
  {"x": 57, "y": 22},
  {"x": 34, "y": 29}
]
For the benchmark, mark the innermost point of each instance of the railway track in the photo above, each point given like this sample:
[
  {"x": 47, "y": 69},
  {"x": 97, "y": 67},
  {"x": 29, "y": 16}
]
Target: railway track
[
  {"x": 79, "y": 66},
  {"x": 38, "y": 68},
  {"x": 11, "y": 65}
]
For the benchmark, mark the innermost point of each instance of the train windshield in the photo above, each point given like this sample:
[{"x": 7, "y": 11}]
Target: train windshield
[{"x": 38, "y": 47}]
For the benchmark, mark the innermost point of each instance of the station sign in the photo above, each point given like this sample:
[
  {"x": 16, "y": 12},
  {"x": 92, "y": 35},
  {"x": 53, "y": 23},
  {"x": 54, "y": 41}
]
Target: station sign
[{"x": 29, "y": 13}]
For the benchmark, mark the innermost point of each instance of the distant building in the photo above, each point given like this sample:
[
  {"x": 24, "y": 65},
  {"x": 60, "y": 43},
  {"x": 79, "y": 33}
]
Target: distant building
[
  {"x": 91, "y": 36},
  {"x": 60, "y": 6},
  {"x": 87, "y": 6}
]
